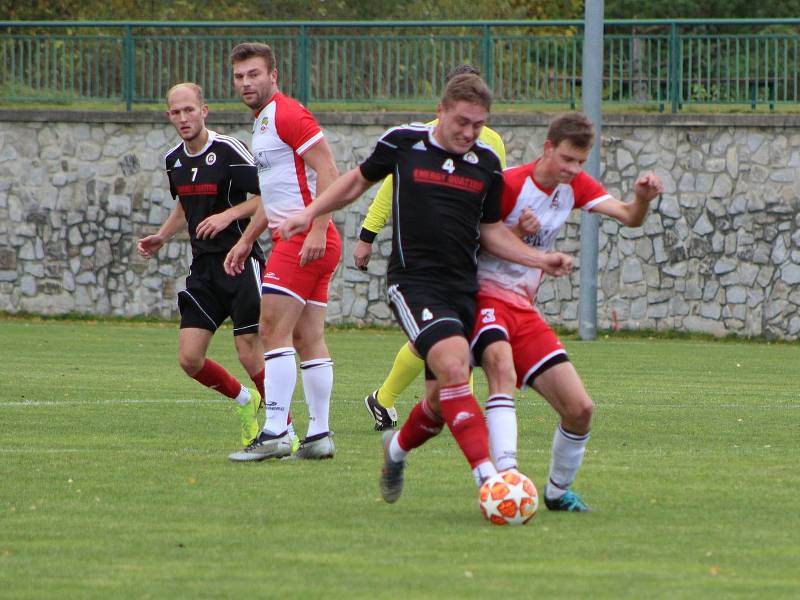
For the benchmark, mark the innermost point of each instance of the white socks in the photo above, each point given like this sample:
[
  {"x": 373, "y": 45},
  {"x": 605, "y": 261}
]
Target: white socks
[
  {"x": 280, "y": 377},
  {"x": 566, "y": 459},
  {"x": 483, "y": 471},
  {"x": 243, "y": 397},
  {"x": 317, "y": 377},
  {"x": 501, "y": 419}
]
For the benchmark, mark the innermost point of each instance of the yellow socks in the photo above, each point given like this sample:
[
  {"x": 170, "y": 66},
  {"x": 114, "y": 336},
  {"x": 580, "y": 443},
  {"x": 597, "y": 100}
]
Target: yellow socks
[{"x": 406, "y": 368}]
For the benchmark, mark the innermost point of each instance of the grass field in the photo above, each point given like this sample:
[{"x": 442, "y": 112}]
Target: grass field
[{"x": 115, "y": 483}]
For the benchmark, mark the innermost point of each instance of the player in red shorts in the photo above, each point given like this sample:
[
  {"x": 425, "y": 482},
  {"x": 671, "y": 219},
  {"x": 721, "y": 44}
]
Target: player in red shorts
[
  {"x": 510, "y": 339},
  {"x": 294, "y": 164}
]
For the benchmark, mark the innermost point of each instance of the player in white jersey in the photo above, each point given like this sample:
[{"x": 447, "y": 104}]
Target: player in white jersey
[
  {"x": 294, "y": 164},
  {"x": 510, "y": 340}
]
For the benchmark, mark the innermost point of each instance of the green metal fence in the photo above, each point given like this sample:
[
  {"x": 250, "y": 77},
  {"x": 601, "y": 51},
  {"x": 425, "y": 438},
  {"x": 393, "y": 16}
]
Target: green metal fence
[{"x": 668, "y": 64}]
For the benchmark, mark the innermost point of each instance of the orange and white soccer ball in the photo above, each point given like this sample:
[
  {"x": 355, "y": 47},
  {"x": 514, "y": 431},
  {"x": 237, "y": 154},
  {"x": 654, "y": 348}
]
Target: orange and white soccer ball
[{"x": 508, "y": 498}]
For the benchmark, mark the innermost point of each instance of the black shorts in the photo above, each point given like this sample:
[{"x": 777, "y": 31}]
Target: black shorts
[
  {"x": 428, "y": 315},
  {"x": 211, "y": 295}
]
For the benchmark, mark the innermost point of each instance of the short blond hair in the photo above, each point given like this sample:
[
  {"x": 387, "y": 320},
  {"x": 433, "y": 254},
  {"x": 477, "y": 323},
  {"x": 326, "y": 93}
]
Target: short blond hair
[{"x": 198, "y": 91}]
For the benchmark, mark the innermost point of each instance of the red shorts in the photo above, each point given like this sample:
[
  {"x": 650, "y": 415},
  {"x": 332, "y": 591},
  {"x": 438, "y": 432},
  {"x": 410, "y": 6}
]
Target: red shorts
[
  {"x": 283, "y": 273},
  {"x": 532, "y": 341}
]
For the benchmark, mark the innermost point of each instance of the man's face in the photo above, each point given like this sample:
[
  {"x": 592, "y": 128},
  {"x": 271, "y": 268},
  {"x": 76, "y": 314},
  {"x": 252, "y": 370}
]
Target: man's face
[
  {"x": 186, "y": 113},
  {"x": 254, "y": 82},
  {"x": 459, "y": 125},
  {"x": 564, "y": 161}
]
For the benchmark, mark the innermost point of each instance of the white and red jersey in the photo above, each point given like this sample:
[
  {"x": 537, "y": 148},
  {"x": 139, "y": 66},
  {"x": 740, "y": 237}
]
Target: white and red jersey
[
  {"x": 515, "y": 283},
  {"x": 282, "y": 132}
]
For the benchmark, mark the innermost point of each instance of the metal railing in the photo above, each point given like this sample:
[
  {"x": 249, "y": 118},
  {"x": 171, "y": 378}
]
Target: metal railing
[{"x": 667, "y": 64}]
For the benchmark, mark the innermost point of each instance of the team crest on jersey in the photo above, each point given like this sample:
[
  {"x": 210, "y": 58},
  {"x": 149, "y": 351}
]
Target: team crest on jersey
[
  {"x": 426, "y": 314},
  {"x": 264, "y": 123},
  {"x": 471, "y": 158},
  {"x": 211, "y": 158},
  {"x": 554, "y": 201}
]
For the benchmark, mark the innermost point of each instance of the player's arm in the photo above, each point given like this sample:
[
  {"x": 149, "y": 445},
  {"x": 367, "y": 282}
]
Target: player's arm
[
  {"x": 343, "y": 191},
  {"x": 631, "y": 214},
  {"x": 214, "y": 224},
  {"x": 320, "y": 158},
  {"x": 377, "y": 215},
  {"x": 175, "y": 221},
  {"x": 500, "y": 241},
  {"x": 234, "y": 261}
]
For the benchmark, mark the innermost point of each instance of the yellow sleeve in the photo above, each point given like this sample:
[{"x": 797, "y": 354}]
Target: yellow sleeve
[
  {"x": 378, "y": 212},
  {"x": 491, "y": 137}
]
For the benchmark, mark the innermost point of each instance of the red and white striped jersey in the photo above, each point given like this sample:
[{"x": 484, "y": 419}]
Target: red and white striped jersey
[
  {"x": 282, "y": 132},
  {"x": 517, "y": 283}
]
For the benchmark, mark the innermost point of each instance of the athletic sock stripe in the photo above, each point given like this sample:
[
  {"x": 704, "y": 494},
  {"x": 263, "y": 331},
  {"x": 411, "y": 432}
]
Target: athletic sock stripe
[
  {"x": 572, "y": 436},
  {"x": 496, "y": 405},
  {"x": 318, "y": 362},
  {"x": 278, "y": 352},
  {"x": 455, "y": 391}
]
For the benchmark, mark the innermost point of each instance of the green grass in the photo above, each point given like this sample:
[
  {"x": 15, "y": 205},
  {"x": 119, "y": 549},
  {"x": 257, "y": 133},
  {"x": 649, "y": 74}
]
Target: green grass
[{"x": 114, "y": 480}]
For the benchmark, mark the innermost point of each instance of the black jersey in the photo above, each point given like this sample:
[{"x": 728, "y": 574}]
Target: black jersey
[
  {"x": 438, "y": 202},
  {"x": 209, "y": 182}
]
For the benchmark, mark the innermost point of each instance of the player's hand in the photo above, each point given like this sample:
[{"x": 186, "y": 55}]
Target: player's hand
[
  {"x": 647, "y": 187},
  {"x": 148, "y": 246},
  {"x": 293, "y": 225},
  {"x": 362, "y": 254},
  {"x": 313, "y": 247},
  {"x": 528, "y": 224},
  {"x": 234, "y": 261},
  {"x": 211, "y": 226},
  {"x": 557, "y": 264}
]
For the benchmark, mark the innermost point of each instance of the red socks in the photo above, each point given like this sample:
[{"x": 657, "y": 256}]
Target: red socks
[
  {"x": 463, "y": 416},
  {"x": 422, "y": 424},
  {"x": 258, "y": 379},
  {"x": 214, "y": 375}
]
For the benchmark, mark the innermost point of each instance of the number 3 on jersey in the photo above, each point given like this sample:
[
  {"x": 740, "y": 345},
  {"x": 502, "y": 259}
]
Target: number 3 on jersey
[{"x": 487, "y": 315}]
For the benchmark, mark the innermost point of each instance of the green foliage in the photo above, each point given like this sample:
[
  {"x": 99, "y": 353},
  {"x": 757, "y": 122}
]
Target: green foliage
[{"x": 701, "y": 9}]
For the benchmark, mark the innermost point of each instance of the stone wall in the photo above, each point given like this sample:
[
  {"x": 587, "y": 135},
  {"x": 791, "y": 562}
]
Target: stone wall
[{"x": 719, "y": 252}]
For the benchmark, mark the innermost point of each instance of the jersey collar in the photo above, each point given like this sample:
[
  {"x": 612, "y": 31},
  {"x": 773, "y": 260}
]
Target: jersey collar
[{"x": 212, "y": 135}]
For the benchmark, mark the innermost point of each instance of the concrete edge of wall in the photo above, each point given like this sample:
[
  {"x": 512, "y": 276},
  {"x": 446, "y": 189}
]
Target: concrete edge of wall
[{"x": 393, "y": 118}]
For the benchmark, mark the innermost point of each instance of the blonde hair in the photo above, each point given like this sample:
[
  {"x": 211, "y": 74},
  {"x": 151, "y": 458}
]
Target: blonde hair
[{"x": 198, "y": 91}]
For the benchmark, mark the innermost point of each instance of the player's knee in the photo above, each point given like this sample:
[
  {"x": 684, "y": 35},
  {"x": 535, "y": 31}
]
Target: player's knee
[
  {"x": 453, "y": 371},
  {"x": 579, "y": 413},
  {"x": 499, "y": 369},
  {"x": 190, "y": 364}
]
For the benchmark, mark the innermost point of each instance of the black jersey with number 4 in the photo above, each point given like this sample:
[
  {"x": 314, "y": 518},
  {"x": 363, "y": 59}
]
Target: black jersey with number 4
[
  {"x": 439, "y": 200},
  {"x": 210, "y": 182}
]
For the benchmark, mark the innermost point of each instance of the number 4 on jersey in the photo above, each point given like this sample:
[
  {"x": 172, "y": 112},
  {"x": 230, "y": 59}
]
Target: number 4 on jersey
[{"x": 449, "y": 166}]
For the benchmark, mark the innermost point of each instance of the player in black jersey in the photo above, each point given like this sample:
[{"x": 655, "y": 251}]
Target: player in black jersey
[
  {"x": 446, "y": 199},
  {"x": 211, "y": 175}
]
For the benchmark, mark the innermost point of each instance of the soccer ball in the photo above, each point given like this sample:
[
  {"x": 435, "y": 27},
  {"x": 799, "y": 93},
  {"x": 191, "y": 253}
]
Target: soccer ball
[{"x": 508, "y": 498}]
